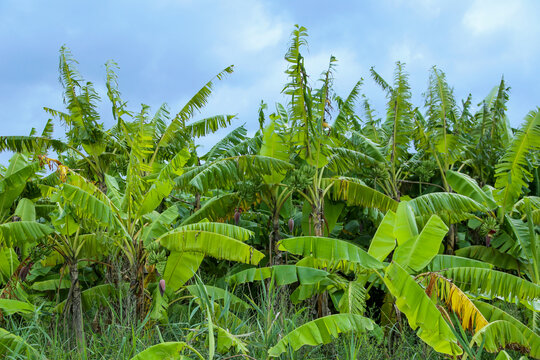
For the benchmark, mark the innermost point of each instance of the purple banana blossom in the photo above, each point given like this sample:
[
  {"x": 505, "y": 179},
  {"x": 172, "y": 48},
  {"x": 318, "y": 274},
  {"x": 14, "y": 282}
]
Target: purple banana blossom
[
  {"x": 291, "y": 225},
  {"x": 237, "y": 216},
  {"x": 162, "y": 287}
]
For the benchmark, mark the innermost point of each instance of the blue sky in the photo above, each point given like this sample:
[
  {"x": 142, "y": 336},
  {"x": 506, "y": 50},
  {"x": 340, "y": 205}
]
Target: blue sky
[{"x": 167, "y": 49}]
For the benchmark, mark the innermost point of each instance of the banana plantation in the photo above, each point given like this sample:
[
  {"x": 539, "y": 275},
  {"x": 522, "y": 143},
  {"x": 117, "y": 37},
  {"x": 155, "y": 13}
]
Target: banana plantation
[{"x": 330, "y": 231}]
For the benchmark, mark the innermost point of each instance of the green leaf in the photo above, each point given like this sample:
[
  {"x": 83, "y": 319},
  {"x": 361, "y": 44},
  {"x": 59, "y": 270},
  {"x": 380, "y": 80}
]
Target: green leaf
[
  {"x": 233, "y": 231},
  {"x": 226, "y": 172},
  {"x": 180, "y": 267},
  {"x": 417, "y": 252},
  {"x": 226, "y": 341},
  {"x": 94, "y": 246},
  {"x": 405, "y": 227},
  {"x": 22, "y": 232},
  {"x": 163, "y": 184},
  {"x": 335, "y": 252},
  {"x": 196, "y": 103},
  {"x": 489, "y": 255},
  {"x": 100, "y": 295},
  {"x": 501, "y": 334},
  {"x": 282, "y": 275},
  {"x": 421, "y": 311},
  {"x": 274, "y": 146},
  {"x": 331, "y": 214},
  {"x": 163, "y": 351},
  {"x": 357, "y": 194},
  {"x": 493, "y": 313},
  {"x": 441, "y": 262},
  {"x": 12, "y": 345},
  {"x": 14, "y": 180},
  {"x": 321, "y": 331},
  {"x": 217, "y": 208},
  {"x": 26, "y": 210},
  {"x": 10, "y": 307},
  {"x": 51, "y": 285},
  {"x": 503, "y": 355},
  {"x": 465, "y": 185},
  {"x": 448, "y": 206},
  {"x": 512, "y": 172},
  {"x": 219, "y": 246},
  {"x": 160, "y": 225},
  {"x": 8, "y": 263},
  {"x": 384, "y": 241},
  {"x": 353, "y": 298},
  {"x": 91, "y": 205},
  {"x": 491, "y": 284}
]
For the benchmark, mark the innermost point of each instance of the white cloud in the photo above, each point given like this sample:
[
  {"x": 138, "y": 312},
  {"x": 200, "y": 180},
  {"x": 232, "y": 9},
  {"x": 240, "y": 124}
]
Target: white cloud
[
  {"x": 485, "y": 17},
  {"x": 251, "y": 27},
  {"x": 406, "y": 52},
  {"x": 430, "y": 8}
]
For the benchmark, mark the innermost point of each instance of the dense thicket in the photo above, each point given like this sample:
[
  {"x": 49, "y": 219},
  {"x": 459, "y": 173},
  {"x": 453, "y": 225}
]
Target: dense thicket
[{"x": 329, "y": 233}]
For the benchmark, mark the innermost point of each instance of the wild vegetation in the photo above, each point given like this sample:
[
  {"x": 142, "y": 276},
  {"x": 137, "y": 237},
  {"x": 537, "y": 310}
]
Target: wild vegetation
[{"x": 330, "y": 233}]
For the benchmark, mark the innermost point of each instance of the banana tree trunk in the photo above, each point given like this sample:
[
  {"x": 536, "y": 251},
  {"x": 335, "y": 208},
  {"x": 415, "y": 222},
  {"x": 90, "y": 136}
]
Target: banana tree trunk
[
  {"x": 274, "y": 239},
  {"x": 137, "y": 283},
  {"x": 74, "y": 310},
  {"x": 451, "y": 240},
  {"x": 318, "y": 222}
]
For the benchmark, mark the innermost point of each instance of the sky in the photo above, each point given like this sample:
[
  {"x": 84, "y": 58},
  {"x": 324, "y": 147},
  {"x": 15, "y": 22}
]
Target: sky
[{"x": 168, "y": 49}]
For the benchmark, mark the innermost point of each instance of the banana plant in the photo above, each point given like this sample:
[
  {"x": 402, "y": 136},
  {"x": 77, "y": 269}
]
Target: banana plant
[{"x": 413, "y": 252}]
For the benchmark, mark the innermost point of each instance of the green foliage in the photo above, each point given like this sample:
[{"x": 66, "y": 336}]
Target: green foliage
[
  {"x": 321, "y": 331},
  {"x": 106, "y": 253},
  {"x": 410, "y": 298}
]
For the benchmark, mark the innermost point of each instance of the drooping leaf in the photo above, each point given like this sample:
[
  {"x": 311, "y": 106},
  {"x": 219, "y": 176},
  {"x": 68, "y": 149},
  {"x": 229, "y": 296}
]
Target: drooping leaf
[
  {"x": 331, "y": 214},
  {"x": 421, "y": 311},
  {"x": 465, "y": 185},
  {"x": 512, "y": 171},
  {"x": 160, "y": 225},
  {"x": 51, "y": 285},
  {"x": 8, "y": 263},
  {"x": 334, "y": 251},
  {"x": 493, "y": 313},
  {"x": 321, "y": 331},
  {"x": 10, "y": 307},
  {"x": 163, "y": 351},
  {"x": 226, "y": 341},
  {"x": 99, "y": 295},
  {"x": 13, "y": 345},
  {"x": 491, "y": 283},
  {"x": 282, "y": 275},
  {"x": 357, "y": 194},
  {"x": 22, "y": 232},
  {"x": 501, "y": 334},
  {"x": 448, "y": 206},
  {"x": 235, "y": 232},
  {"x": 489, "y": 255},
  {"x": 456, "y": 301},
  {"x": 441, "y": 262},
  {"x": 212, "y": 244},
  {"x": 417, "y": 252}
]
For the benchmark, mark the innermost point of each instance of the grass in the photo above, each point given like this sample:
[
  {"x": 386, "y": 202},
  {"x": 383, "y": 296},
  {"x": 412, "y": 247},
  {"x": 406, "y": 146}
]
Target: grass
[{"x": 112, "y": 335}]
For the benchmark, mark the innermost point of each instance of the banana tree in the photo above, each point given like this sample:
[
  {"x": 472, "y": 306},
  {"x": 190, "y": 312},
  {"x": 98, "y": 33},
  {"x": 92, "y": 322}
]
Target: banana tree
[
  {"x": 413, "y": 252},
  {"x": 19, "y": 230}
]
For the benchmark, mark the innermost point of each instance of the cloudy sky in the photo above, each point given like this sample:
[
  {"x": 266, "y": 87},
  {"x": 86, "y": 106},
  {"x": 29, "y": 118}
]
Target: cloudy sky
[{"x": 167, "y": 49}]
